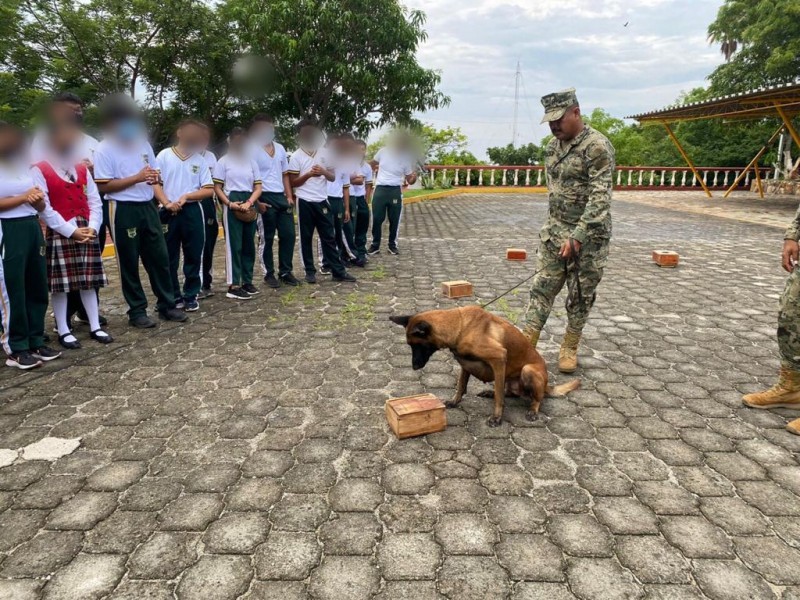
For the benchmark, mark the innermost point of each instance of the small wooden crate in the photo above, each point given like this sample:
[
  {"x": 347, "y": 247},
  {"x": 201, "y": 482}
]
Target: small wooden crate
[
  {"x": 516, "y": 254},
  {"x": 416, "y": 415},
  {"x": 666, "y": 258},
  {"x": 457, "y": 289}
]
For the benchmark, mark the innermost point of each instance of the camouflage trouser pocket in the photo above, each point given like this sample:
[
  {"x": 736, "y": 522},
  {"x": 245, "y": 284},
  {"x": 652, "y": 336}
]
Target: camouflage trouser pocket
[{"x": 789, "y": 322}]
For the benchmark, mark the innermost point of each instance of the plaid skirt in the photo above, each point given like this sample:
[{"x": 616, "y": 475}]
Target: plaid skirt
[{"x": 72, "y": 266}]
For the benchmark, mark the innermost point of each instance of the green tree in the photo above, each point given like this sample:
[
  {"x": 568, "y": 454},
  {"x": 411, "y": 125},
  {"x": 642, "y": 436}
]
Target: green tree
[
  {"x": 350, "y": 63},
  {"x": 529, "y": 154},
  {"x": 760, "y": 40}
]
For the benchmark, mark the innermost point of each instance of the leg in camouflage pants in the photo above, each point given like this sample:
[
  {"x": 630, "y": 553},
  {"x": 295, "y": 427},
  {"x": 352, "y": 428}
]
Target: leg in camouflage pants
[
  {"x": 550, "y": 279},
  {"x": 789, "y": 323}
]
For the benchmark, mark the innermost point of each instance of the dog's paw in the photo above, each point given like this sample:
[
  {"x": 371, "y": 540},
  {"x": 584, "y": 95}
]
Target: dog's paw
[
  {"x": 494, "y": 421},
  {"x": 486, "y": 394},
  {"x": 453, "y": 403},
  {"x": 532, "y": 416}
]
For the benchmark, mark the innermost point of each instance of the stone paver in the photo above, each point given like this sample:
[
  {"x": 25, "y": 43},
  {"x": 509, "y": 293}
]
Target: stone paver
[{"x": 245, "y": 455}]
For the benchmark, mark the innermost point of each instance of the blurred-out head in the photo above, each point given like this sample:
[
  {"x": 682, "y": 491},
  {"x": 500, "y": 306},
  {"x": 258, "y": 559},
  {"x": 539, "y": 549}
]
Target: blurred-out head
[
  {"x": 401, "y": 140},
  {"x": 309, "y": 136},
  {"x": 361, "y": 149},
  {"x": 237, "y": 141},
  {"x": 122, "y": 120},
  {"x": 13, "y": 145},
  {"x": 262, "y": 129},
  {"x": 192, "y": 136},
  {"x": 64, "y": 105}
]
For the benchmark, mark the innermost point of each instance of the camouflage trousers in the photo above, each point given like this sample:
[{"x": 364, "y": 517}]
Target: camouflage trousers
[
  {"x": 789, "y": 322},
  {"x": 550, "y": 279}
]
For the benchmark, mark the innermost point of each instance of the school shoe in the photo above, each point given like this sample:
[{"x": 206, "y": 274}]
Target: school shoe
[
  {"x": 98, "y": 335},
  {"x": 373, "y": 250},
  {"x": 191, "y": 305},
  {"x": 180, "y": 304},
  {"x": 346, "y": 278},
  {"x": 204, "y": 293},
  {"x": 237, "y": 294},
  {"x": 173, "y": 314},
  {"x": 249, "y": 288},
  {"x": 311, "y": 278},
  {"x": 289, "y": 279},
  {"x": 272, "y": 282},
  {"x": 142, "y": 322},
  {"x": 45, "y": 354},
  {"x": 323, "y": 270},
  {"x": 73, "y": 344},
  {"x": 359, "y": 262},
  {"x": 394, "y": 250},
  {"x": 22, "y": 360}
]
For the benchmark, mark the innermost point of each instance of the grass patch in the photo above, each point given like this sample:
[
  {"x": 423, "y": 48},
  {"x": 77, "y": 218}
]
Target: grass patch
[
  {"x": 415, "y": 193},
  {"x": 378, "y": 272}
]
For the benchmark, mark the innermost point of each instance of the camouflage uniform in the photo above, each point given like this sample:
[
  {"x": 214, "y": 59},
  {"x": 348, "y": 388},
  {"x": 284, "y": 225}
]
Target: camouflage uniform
[
  {"x": 789, "y": 317},
  {"x": 579, "y": 180}
]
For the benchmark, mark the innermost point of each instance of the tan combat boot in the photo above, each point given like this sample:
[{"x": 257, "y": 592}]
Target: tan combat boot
[
  {"x": 784, "y": 394},
  {"x": 568, "y": 355},
  {"x": 532, "y": 334},
  {"x": 793, "y": 427}
]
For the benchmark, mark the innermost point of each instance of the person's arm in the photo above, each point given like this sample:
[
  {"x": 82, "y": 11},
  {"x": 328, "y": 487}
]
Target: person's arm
[
  {"x": 356, "y": 179},
  {"x": 346, "y": 193},
  {"x": 10, "y": 202},
  {"x": 329, "y": 174},
  {"x": 255, "y": 195},
  {"x": 600, "y": 156},
  {"x": 221, "y": 195},
  {"x": 206, "y": 189},
  {"x": 791, "y": 248},
  {"x": 146, "y": 175},
  {"x": 49, "y": 216},
  {"x": 95, "y": 203},
  {"x": 287, "y": 184}
]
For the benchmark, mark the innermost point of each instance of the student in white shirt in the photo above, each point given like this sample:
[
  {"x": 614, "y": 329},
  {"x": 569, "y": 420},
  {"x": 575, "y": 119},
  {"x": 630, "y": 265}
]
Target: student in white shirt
[
  {"x": 127, "y": 172},
  {"x": 212, "y": 222},
  {"x": 360, "y": 197},
  {"x": 23, "y": 269},
  {"x": 395, "y": 165},
  {"x": 339, "y": 200},
  {"x": 277, "y": 197},
  {"x": 237, "y": 182},
  {"x": 310, "y": 171},
  {"x": 74, "y": 261},
  {"x": 186, "y": 181}
]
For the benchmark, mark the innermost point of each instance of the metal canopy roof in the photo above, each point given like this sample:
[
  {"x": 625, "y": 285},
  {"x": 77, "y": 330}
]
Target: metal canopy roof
[{"x": 753, "y": 104}]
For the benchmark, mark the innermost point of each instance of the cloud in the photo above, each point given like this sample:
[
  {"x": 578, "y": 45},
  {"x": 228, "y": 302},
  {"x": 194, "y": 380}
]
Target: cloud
[{"x": 475, "y": 44}]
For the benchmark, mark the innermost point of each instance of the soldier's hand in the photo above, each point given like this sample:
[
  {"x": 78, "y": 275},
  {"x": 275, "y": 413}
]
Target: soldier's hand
[
  {"x": 789, "y": 256},
  {"x": 566, "y": 249}
]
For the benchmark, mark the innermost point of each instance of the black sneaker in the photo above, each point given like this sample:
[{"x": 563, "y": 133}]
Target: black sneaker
[
  {"x": 290, "y": 279},
  {"x": 143, "y": 322},
  {"x": 311, "y": 278},
  {"x": 173, "y": 314},
  {"x": 323, "y": 270},
  {"x": 345, "y": 278},
  {"x": 373, "y": 250},
  {"x": 45, "y": 354},
  {"x": 204, "y": 293},
  {"x": 249, "y": 288},
  {"x": 237, "y": 294},
  {"x": 393, "y": 250},
  {"x": 359, "y": 262},
  {"x": 191, "y": 305},
  {"x": 272, "y": 282},
  {"x": 22, "y": 360}
]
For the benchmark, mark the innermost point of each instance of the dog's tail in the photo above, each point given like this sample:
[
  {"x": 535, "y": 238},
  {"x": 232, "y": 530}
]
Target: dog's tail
[{"x": 563, "y": 389}]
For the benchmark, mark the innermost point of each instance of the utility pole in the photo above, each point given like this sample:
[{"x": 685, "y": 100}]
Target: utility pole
[{"x": 517, "y": 78}]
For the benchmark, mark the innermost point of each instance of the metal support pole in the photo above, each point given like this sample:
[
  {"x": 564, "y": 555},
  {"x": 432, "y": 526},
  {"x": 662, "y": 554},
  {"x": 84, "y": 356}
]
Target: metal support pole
[
  {"x": 754, "y": 163},
  {"x": 687, "y": 159}
]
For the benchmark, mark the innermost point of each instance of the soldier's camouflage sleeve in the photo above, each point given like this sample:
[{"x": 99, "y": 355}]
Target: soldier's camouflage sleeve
[
  {"x": 600, "y": 155},
  {"x": 793, "y": 232}
]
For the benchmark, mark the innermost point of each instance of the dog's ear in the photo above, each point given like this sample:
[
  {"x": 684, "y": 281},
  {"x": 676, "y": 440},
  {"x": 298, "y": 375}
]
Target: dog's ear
[
  {"x": 422, "y": 329},
  {"x": 402, "y": 321}
]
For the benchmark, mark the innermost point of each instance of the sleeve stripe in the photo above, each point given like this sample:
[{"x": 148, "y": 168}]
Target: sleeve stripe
[
  {"x": 219, "y": 181},
  {"x": 208, "y": 185},
  {"x": 295, "y": 172},
  {"x": 256, "y": 181}
]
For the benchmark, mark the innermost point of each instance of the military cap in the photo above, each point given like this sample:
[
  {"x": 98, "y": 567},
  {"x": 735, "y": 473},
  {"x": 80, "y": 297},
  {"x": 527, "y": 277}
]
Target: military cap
[{"x": 557, "y": 103}]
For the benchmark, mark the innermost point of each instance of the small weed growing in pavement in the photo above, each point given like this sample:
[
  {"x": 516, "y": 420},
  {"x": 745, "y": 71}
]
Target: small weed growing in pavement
[{"x": 378, "y": 273}]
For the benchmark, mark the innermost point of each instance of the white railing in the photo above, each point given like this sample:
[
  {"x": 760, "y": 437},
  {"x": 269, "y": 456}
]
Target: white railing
[{"x": 634, "y": 178}]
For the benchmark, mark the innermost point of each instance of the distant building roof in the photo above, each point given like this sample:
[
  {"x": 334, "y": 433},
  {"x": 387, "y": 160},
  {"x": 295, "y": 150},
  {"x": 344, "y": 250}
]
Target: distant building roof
[{"x": 753, "y": 104}]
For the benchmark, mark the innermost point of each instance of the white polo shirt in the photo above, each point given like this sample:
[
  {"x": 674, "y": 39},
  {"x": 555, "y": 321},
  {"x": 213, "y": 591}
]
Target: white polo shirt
[
  {"x": 337, "y": 186},
  {"x": 211, "y": 159},
  {"x": 315, "y": 189},
  {"x": 237, "y": 173},
  {"x": 394, "y": 166},
  {"x": 364, "y": 169},
  {"x": 183, "y": 174},
  {"x": 114, "y": 160},
  {"x": 15, "y": 180},
  {"x": 84, "y": 150},
  {"x": 272, "y": 167}
]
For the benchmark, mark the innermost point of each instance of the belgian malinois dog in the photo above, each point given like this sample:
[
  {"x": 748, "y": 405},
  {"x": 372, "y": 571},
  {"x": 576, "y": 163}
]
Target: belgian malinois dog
[{"x": 488, "y": 348}]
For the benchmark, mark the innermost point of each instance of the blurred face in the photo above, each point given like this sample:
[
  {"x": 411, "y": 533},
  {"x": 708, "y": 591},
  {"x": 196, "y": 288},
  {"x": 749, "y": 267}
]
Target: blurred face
[
  {"x": 12, "y": 145},
  {"x": 192, "y": 137},
  {"x": 568, "y": 126},
  {"x": 310, "y": 138},
  {"x": 129, "y": 130},
  {"x": 262, "y": 132},
  {"x": 64, "y": 134},
  {"x": 236, "y": 144}
]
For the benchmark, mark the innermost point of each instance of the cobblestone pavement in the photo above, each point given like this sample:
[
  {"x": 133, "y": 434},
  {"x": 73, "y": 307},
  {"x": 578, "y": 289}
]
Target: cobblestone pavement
[{"x": 246, "y": 455}]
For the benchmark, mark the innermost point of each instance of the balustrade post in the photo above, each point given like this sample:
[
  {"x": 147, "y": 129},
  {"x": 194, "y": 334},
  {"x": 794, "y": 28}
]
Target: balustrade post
[
  {"x": 630, "y": 178},
  {"x": 705, "y": 178},
  {"x": 480, "y": 177},
  {"x": 674, "y": 176},
  {"x": 527, "y": 177},
  {"x": 467, "y": 181},
  {"x": 747, "y": 180},
  {"x": 516, "y": 177},
  {"x": 716, "y": 176},
  {"x": 725, "y": 182},
  {"x": 539, "y": 177},
  {"x": 492, "y": 181},
  {"x": 663, "y": 177},
  {"x": 683, "y": 178},
  {"x": 503, "y": 180}
]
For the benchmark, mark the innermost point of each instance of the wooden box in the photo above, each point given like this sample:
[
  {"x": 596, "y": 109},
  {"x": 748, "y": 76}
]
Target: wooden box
[
  {"x": 665, "y": 258},
  {"x": 416, "y": 415},
  {"x": 457, "y": 289},
  {"x": 516, "y": 254}
]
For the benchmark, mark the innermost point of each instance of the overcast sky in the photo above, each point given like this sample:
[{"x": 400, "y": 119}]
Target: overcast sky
[{"x": 561, "y": 43}]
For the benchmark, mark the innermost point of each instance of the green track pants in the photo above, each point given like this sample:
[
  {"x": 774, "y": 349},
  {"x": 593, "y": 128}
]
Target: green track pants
[
  {"x": 185, "y": 232},
  {"x": 361, "y": 225},
  {"x": 279, "y": 219},
  {"x": 139, "y": 236},
  {"x": 240, "y": 243},
  {"x": 23, "y": 284},
  {"x": 387, "y": 201}
]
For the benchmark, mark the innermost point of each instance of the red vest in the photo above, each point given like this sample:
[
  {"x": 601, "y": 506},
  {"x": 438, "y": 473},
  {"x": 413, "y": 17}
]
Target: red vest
[{"x": 67, "y": 199}]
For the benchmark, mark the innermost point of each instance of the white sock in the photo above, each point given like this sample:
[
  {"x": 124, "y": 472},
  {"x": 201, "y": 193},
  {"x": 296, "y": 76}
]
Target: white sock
[
  {"x": 89, "y": 300},
  {"x": 59, "y": 301}
]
